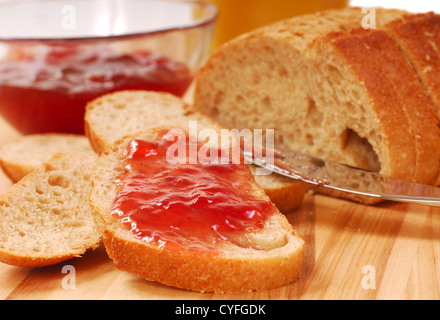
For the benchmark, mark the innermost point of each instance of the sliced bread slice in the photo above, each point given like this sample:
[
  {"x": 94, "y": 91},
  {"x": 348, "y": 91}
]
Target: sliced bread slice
[
  {"x": 24, "y": 154},
  {"x": 263, "y": 257},
  {"x": 418, "y": 37},
  {"x": 46, "y": 217},
  {"x": 115, "y": 115},
  {"x": 395, "y": 87}
]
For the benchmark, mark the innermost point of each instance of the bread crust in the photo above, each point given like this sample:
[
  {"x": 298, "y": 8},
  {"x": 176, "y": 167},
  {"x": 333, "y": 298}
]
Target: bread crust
[
  {"x": 25, "y": 261},
  {"x": 418, "y": 37},
  {"x": 202, "y": 272},
  {"x": 287, "y": 197}
]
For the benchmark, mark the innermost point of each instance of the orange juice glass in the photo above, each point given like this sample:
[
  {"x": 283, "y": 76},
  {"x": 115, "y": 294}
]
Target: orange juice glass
[{"x": 239, "y": 16}]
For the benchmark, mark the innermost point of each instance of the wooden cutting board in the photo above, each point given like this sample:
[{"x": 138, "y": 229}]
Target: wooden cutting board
[{"x": 389, "y": 251}]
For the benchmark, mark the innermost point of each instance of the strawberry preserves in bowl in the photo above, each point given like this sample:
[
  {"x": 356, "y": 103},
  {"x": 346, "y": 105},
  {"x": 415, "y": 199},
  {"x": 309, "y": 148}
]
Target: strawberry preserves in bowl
[{"x": 55, "y": 56}]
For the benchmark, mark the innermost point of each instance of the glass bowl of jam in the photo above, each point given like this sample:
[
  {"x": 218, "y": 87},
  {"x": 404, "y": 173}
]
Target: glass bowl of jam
[{"x": 56, "y": 56}]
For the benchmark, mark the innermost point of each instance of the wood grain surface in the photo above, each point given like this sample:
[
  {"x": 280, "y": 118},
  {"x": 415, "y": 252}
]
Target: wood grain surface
[{"x": 389, "y": 251}]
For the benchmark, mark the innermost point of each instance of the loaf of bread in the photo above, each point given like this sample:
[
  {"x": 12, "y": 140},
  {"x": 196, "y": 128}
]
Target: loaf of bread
[
  {"x": 335, "y": 90},
  {"x": 46, "y": 217},
  {"x": 23, "y": 155},
  {"x": 115, "y": 115},
  {"x": 260, "y": 258}
]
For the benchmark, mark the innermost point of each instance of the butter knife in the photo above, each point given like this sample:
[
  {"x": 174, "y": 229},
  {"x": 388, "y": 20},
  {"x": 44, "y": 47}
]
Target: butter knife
[{"x": 343, "y": 178}]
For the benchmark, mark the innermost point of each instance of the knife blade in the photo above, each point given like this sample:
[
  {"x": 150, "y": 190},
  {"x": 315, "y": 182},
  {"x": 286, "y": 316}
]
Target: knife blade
[{"x": 343, "y": 178}]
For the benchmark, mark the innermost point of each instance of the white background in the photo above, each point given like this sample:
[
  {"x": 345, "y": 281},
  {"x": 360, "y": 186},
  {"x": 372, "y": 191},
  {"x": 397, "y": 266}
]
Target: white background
[{"x": 410, "y": 5}]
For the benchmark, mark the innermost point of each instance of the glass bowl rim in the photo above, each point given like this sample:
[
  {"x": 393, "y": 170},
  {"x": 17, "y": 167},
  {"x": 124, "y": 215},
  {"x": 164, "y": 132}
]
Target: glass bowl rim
[{"x": 196, "y": 24}]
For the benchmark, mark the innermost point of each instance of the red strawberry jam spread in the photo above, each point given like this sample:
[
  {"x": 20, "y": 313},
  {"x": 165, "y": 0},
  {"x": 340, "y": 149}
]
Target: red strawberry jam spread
[
  {"x": 48, "y": 92},
  {"x": 185, "y": 206}
]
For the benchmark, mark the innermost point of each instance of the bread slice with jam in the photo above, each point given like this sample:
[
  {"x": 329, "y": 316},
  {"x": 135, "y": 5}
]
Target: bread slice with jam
[
  {"x": 115, "y": 115},
  {"x": 200, "y": 226}
]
